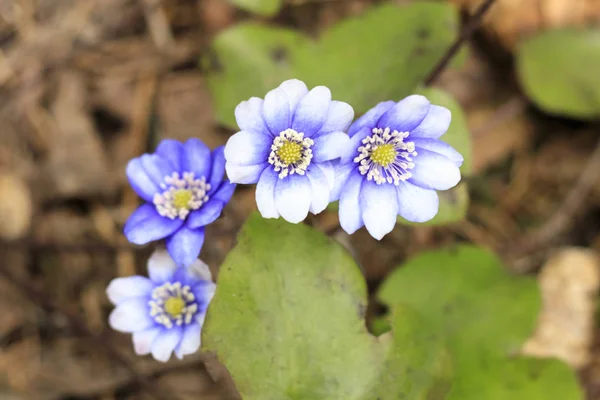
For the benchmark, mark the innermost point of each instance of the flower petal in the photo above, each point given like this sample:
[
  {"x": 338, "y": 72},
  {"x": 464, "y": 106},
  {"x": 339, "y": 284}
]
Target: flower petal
[
  {"x": 218, "y": 167},
  {"x": 293, "y": 197},
  {"x": 248, "y": 115},
  {"x": 190, "y": 342},
  {"x": 439, "y": 147},
  {"x": 199, "y": 271},
  {"x": 161, "y": 267},
  {"x": 121, "y": 289},
  {"x": 370, "y": 118},
  {"x": 224, "y": 193},
  {"x": 204, "y": 293},
  {"x": 339, "y": 118},
  {"x": 172, "y": 151},
  {"x": 197, "y": 158},
  {"x": 244, "y": 173},
  {"x": 276, "y": 111},
  {"x": 435, "y": 124},
  {"x": 146, "y": 225},
  {"x": 329, "y": 146},
  {"x": 156, "y": 167},
  {"x": 434, "y": 171},
  {"x": 142, "y": 340},
  {"x": 247, "y": 148},
  {"x": 416, "y": 204},
  {"x": 207, "y": 214},
  {"x": 131, "y": 315},
  {"x": 265, "y": 193},
  {"x": 351, "y": 150},
  {"x": 350, "y": 212},
  {"x": 165, "y": 342},
  {"x": 319, "y": 188},
  {"x": 185, "y": 245},
  {"x": 406, "y": 115},
  {"x": 327, "y": 168},
  {"x": 379, "y": 207},
  {"x": 294, "y": 90},
  {"x": 312, "y": 111},
  {"x": 342, "y": 172},
  {"x": 140, "y": 181}
]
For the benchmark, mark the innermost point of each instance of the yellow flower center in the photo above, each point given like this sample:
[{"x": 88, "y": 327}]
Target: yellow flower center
[
  {"x": 174, "y": 306},
  {"x": 181, "y": 198},
  {"x": 384, "y": 155},
  {"x": 290, "y": 153}
]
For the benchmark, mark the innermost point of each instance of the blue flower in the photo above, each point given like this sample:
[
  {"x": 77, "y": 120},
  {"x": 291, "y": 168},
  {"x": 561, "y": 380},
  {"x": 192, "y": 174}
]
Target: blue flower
[
  {"x": 285, "y": 145},
  {"x": 184, "y": 188},
  {"x": 394, "y": 164},
  {"x": 165, "y": 312}
]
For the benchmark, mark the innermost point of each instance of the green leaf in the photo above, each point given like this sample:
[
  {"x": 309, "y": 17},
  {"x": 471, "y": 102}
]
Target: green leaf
[
  {"x": 267, "y": 8},
  {"x": 383, "y": 54},
  {"x": 559, "y": 71},
  {"x": 287, "y": 320},
  {"x": 487, "y": 315}
]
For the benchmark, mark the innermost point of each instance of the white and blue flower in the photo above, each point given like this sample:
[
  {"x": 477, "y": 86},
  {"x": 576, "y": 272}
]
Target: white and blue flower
[
  {"x": 394, "y": 164},
  {"x": 285, "y": 145},
  {"x": 166, "y": 311},
  {"x": 185, "y": 190}
]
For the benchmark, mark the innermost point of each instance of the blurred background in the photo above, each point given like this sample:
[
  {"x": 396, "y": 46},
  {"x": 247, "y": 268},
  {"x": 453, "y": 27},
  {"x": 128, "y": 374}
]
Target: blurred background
[{"x": 85, "y": 85}]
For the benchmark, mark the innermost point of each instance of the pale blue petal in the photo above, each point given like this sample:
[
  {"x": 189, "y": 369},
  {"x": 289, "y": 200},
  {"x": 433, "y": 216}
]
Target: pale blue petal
[
  {"x": 190, "y": 342},
  {"x": 319, "y": 188},
  {"x": 172, "y": 151},
  {"x": 224, "y": 193},
  {"x": 197, "y": 158},
  {"x": 185, "y": 245},
  {"x": 198, "y": 271},
  {"x": 265, "y": 193},
  {"x": 350, "y": 215},
  {"x": 142, "y": 340},
  {"x": 379, "y": 207},
  {"x": 350, "y": 151},
  {"x": 434, "y": 171},
  {"x": 276, "y": 111},
  {"x": 329, "y": 171},
  {"x": 439, "y": 147},
  {"x": 245, "y": 174},
  {"x": 294, "y": 90},
  {"x": 329, "y": 146},
  {"x": 246, "y": 148},
  {"x": 204, "y": 293},
  {"x": 342, "y": 173},
  {"x": 121, "y": 289},
  {"x": 434, "y": 125},
  {"x": 406, "y": 115},
  {"x": 140, "y": 181},
  {"x": 416, "y": 204},
  {"x": 161, "y": 267},
  {"x": 156, "y": 167},
  {"x": 146, "y": 225},
  {"x": 248, "y": 115},
  {"x": 207, "y": 214},
  {"x": 312, "y": 111},
  {"x": 293, "y": 197},
  {"x": 165, "y": 342},
  {"x": 131, "y": 315},
  {"x": 370, "y": 118},
  {"x": 218, "y": 167},
  {"x": 339, "y": 118}
]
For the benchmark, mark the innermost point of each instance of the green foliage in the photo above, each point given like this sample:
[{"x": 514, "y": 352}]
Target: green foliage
[
  {"x": 287, "y": 321},
  {"x": 381, "y": 55},
  {"x": 267, "y": 8},
  {"x": 486, "y": 315},
  {"x": 559, "y": 71}
]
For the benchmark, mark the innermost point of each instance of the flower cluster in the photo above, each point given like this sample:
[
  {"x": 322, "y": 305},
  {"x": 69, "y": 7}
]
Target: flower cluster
[{"x": 302, "y": 151}]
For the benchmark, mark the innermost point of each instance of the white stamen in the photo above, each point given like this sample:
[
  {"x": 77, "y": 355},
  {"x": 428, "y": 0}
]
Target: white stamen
[
  {"x": 159, "y": 297},
  {"x": 165, "y": 201},
  {"x": 290, "y": 135},
  {"x": 395, "y": 172}
]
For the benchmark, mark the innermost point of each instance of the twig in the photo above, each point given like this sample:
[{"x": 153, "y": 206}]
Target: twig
[
  {"x": 562, "y": 219},
  {"x": 45, "y": 301},
  {"x": 468, "y": 30}
]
